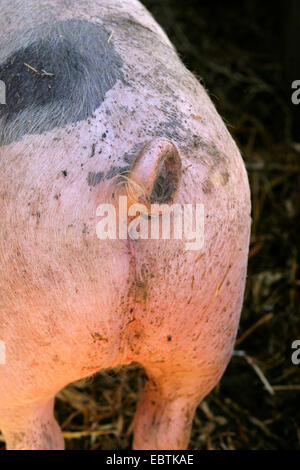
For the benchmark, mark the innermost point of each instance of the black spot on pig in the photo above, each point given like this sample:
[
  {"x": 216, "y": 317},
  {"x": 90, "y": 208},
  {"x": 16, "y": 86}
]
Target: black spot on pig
[
  {"x": 116, "y": 170},
  {"x": 130, "y": 157},
  {"x": 94, "y": 178},
  {"x": 59, "y": 73},
  {"x": 172, "y": 127}
]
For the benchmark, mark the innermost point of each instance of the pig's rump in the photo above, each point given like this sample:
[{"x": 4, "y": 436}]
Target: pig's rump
[{"x": 99, "y": 106}]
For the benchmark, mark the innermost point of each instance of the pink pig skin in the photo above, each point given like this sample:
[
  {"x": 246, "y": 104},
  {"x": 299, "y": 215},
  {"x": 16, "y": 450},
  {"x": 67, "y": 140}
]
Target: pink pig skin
[{"x": 72, "y": 304}]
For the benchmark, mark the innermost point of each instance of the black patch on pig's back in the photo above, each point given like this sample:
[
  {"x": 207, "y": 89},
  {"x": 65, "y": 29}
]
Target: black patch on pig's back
[{"x": 74, "y": 67}]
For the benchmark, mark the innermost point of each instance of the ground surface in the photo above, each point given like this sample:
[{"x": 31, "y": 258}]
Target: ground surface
[{"x": 235, "y": 51}]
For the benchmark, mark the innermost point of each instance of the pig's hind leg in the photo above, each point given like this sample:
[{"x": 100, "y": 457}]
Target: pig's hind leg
[
  {"x": 31, "y": 427},
  {"x": 166, "y": 409}
]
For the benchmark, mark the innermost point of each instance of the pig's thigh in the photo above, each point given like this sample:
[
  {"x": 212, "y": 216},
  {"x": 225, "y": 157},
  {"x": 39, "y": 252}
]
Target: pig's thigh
[{"x": 31, "y": 427}]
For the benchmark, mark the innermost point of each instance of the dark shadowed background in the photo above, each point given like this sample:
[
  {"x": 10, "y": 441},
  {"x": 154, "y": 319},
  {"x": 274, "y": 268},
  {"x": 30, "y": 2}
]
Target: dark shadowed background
[{"x": 246, "y": 54}]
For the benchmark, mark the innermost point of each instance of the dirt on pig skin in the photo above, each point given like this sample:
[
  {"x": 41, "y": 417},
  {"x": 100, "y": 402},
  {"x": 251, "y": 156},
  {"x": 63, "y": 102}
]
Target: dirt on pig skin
[{"x": 72, "y": 304}]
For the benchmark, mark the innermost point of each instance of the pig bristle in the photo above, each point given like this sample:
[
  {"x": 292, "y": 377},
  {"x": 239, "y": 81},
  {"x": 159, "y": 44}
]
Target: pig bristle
[{"x": 133, "y": 189}]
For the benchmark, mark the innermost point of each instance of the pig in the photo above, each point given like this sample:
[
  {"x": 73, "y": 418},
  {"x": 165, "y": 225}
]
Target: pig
[{"x": 99, "y": 107}]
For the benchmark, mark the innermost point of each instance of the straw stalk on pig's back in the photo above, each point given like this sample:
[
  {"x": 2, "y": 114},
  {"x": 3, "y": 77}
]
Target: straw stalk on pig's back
[{"x": 94, "y": 89}]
